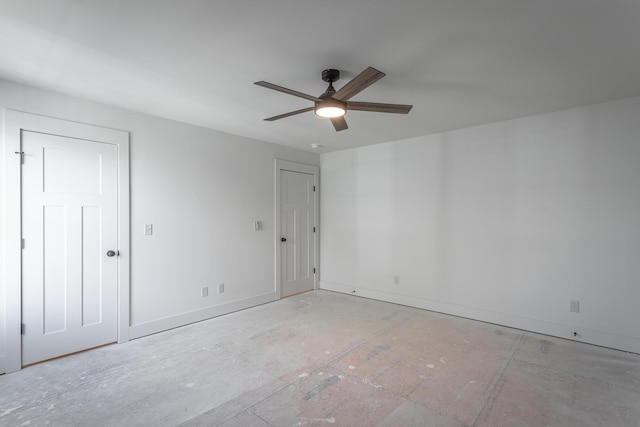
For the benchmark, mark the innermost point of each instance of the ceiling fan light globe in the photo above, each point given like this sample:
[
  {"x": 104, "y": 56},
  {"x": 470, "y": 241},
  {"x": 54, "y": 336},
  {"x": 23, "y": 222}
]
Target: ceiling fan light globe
[{"x": 330, "y": 111}]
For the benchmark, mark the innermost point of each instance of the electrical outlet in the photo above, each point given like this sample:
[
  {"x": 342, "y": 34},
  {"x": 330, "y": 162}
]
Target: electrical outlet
[
  {"x": 220, "y": 288},
  {"x": 148, "y": 229},
  {"x": 574, "y": 306},
  {"x": 205, "y": 291}
]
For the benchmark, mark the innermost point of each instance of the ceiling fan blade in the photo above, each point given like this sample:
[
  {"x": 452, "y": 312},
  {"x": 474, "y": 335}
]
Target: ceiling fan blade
[
  {"x": 379, "y": 107},
  {"x": 358, "y": 84},
  {"x": 285, "y": 90},
  {"x": 339, "y": 123},
  {"x": 289, "y": 114}
]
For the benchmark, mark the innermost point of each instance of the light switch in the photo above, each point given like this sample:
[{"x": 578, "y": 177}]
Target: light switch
[
  {"x": 574, "y": 306},
  {"x": 148, "y": 229}
]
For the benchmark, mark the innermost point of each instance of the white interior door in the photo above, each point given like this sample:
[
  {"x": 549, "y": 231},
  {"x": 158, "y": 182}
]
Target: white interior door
[
  {"x": 297, "y": 228},
  {"x": 69, "y": 223}
]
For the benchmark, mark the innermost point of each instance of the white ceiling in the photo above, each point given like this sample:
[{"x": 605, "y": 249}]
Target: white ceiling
[{"x": 460, "y": 63}]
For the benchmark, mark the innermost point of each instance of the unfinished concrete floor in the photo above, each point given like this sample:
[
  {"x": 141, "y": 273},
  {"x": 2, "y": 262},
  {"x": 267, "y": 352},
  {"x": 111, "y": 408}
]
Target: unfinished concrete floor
[{"x": 323, "y": 358}]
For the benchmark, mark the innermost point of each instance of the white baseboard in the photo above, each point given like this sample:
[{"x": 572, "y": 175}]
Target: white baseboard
[
  {"x": 589, "y": 336},
  {"x": 182, "y": 319}
]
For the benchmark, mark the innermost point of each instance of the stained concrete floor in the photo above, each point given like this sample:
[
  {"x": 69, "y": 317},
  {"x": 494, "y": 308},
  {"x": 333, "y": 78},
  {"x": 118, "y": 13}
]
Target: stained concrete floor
[{"x": 323, "y": 358}]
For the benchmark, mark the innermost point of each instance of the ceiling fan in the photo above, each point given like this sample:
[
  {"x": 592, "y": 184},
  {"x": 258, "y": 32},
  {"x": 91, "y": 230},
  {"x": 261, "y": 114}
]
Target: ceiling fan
[{"x": 335, "y": 104}]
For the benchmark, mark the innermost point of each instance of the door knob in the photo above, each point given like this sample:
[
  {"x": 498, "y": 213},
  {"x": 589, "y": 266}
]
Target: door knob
[
  {"x": 110, "y": 253},
  {"x": 284, "y": 239}
]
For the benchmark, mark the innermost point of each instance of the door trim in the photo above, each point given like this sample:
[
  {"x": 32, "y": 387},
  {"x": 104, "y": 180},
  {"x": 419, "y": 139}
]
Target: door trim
[
  {"x": 15, "y": 123},
  {"x": 287, "y": 165}
]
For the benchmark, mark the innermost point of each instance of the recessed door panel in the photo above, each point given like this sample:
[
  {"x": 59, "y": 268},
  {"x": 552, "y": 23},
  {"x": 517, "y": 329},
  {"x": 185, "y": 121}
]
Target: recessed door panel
[
  {"x": 55, "y": 272},
  {"x": 71, "y": 171},
  {"x": 91, "y": 265}
]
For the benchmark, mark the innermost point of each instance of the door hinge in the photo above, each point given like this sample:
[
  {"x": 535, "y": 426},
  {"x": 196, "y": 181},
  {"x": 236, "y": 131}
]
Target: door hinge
[
  {"x": 314, "y": 229},
  {"x": 314, "y": 188},
  {"x": 22, "y": 328},
  {"x": 314, "y": 270},
  {"x": 22, "y": 243},
  {"x": 22, "y": 157}
]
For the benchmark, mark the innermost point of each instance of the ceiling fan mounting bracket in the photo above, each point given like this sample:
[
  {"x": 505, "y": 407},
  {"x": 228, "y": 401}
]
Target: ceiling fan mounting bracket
[{"x": 330, "y": 75}]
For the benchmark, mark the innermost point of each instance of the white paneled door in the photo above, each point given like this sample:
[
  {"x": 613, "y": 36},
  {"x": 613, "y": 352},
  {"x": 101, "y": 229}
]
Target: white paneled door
[
  {"x": 297, "y": 229},
  {"x": 69, "y": 258}
]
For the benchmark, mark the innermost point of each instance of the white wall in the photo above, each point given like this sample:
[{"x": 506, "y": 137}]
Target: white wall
[
  {"x": 201, "y": 190},
  {"x": 504, "y": 223}
]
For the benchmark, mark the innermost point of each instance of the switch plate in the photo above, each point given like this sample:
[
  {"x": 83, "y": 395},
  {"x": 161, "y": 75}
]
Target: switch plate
[
  {"x": 205, "y": 291},
  {"x": 396, "y": 280},
  {"x": 148, "y": 229},
  {"x": 220, "y": 288},
  {"x": 574, "y": 306}
]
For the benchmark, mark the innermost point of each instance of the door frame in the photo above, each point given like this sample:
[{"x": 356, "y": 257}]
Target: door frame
[
  {"x": 286, "y": 165},
  {"x": 15, "y": 123}
]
